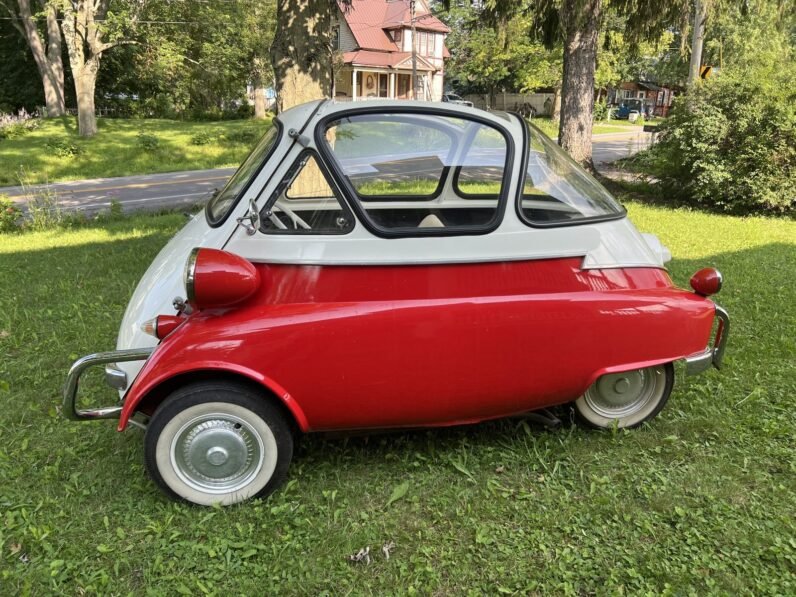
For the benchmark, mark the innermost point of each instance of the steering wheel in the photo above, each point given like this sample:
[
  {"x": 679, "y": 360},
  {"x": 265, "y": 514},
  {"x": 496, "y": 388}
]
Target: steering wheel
[{"x": 298, "y": 222}]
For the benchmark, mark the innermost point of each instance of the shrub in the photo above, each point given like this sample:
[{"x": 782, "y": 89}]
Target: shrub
[
  {"x": 731, "y": 146},
  {"x": 202, "y": 138},
  {"x": 601, "y": 110},
  {"x": 10, "y": 215},
  {"x": 148, "y": 142},
  {"x": 244, "y": 136},
  {"x": 17, "y": 125},
  {"x": 63, "y": 148}
]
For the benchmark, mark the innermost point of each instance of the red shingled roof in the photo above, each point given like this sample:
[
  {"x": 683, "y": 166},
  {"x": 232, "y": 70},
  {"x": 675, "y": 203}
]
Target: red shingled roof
[
  {"x": 382, "y": 59},
  {"x": 369, "y": 19}
]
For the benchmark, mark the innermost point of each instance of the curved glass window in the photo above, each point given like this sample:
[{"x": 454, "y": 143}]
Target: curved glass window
[
  {"x": 417, "y": 173},
  {"x": 557, "y": 191},
  {"x": 219, "y": 206}
]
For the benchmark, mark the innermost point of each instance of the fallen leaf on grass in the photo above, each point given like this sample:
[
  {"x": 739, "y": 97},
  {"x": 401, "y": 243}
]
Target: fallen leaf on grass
[{"x": 397, "y": 493}]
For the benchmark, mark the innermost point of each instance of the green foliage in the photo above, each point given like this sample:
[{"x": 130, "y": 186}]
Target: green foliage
[
  {"x": 44, "y": 209},
  {"x": 731, "y": 146},
  {"x": 194, "y": 64},
  {"x": 63, "y": 148},
  {"x": 601, "y": 110},
  {"x": 10, "y": 215},
  {"x": 15, "y": 126},
  {"x": 201, "y": 138},
  {"x": 247, "y": 136},
  {"x": 148, "y": 142},
  {"x": 700, "y": 502}
]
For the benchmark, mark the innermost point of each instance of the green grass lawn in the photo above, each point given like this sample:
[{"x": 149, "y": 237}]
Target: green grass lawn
[
  {"x": 118, "y": 150},
  {"x": 701, "y": 501},
  {"x": 612, "y": 126}
]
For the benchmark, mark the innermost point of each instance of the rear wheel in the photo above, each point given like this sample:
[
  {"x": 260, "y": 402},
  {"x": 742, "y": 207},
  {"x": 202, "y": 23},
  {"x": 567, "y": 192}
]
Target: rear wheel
[
  {"x": 217, "y": 442},
  {"x": 626, "y": 399}
]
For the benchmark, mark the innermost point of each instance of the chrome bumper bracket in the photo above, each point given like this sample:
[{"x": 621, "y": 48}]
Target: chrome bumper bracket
[
  {"x": 70, "y": 409},
  {"x": 713, "y": 355}
]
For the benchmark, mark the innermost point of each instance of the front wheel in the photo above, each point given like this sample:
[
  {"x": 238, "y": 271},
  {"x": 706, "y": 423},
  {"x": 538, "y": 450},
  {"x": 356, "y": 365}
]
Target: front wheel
[
  {"x": 217, "y": 442},
  {"x": 625, "y": 400}
]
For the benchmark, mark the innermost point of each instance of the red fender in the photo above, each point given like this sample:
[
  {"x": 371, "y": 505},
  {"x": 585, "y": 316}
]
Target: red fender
[{"x": 154, "y": 374}]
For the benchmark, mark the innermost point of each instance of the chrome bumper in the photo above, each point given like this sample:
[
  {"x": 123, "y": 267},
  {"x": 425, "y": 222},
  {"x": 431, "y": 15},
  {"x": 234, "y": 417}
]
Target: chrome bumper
[
  {"x": 73, "y": 379},
  {"x": 712, "y": 355}
]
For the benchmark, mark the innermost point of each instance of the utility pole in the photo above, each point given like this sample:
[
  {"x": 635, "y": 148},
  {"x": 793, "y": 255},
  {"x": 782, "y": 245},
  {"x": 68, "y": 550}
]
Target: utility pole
[{"x": 414, "y": 49}]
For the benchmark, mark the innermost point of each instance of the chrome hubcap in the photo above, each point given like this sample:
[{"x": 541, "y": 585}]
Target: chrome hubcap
[
  {"x": 217, "y": 453},
  {"x": 618, "y": 395}
]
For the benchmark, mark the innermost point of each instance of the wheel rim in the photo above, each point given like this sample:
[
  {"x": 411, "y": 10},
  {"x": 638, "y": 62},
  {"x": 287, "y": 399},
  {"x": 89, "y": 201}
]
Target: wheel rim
[
  {"x": 620, "y": 395},
  {"x": 217, "y": 453}
]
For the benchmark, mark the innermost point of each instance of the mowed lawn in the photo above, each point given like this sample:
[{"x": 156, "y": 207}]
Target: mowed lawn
[
  {"x": 701, "y": 501},
  {"x": 600, "y": 127},
  {"x": 43, "y": 155}
]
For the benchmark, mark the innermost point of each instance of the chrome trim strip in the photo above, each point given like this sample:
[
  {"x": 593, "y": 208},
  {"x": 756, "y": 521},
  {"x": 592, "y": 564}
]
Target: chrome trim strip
[
  {"x": 190, "y": 274},
  {"x": 715, "y": 354},
  {"x": 70, "y": 409}
]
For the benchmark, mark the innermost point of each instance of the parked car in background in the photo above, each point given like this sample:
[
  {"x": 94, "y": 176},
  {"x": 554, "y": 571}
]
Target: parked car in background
[
  {"x": 393, "y": 265},
  {"x": 622, "y": 112},
  {"x": 456, "y": 99}
]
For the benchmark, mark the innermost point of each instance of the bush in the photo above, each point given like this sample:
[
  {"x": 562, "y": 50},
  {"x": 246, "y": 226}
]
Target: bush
[
  {"x": 10, "y": 215},
  {"x": 601, "y": 110},
  {"x": 731, "y": 146},
  {"x": 202, "y": 138},
  {"x": 63, "y": 148},
  {"x": 148, "y": 142},
  {"x": 244, "y": 136},
  {"x": 13, "y": 126}
]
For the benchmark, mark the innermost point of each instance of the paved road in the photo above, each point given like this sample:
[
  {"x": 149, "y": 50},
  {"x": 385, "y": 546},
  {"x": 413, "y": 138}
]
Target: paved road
[{"x": 178, "y": 189}]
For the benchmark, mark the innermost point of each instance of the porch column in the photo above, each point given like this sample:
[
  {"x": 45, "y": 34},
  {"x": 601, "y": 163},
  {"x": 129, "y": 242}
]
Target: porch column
[
  {"x": 354, "y": 85},
  {"x": 391, "y": 94}
]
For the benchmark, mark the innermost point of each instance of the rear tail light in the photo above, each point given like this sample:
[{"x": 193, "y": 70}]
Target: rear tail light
[
  {"x": 161, "y": 326},
  {"x": 706, "y": 281},
  {"x": 215, "y": 279}
]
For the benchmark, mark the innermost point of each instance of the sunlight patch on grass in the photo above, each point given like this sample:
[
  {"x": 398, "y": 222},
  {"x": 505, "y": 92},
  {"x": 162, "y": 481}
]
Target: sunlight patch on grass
[{"x": 125, "y": 147}]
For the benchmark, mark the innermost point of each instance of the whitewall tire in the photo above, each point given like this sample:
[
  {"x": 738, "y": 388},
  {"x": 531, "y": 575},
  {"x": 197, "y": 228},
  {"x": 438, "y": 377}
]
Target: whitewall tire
[
  {"x": 218, "y": 442},
  {"x": 625, "y": 400}
]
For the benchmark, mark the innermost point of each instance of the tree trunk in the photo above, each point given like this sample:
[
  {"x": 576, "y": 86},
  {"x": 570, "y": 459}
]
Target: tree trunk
[
  {"x": 555, "y": 114},
  {"x": 48, "y": 60},
  {"x": 581, "y": 23},
  {"x": 260, "y": 109},
  {"x": 85, "y": 46},
  {"x": 700, "y": 16},
  {"x": 85, "y": 83},
  {"x": 301, "y": 53}
]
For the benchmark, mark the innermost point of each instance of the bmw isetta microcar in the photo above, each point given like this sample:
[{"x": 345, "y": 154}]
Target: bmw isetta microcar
[{"x": 393, "y": 265}]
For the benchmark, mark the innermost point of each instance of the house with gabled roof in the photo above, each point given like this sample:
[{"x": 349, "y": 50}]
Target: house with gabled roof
[{"x": 374, "y": 39}]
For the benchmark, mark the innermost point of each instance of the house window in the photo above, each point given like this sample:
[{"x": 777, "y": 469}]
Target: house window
[
  {"x": 422, "y": 43},
  {"x": 336, "y": 38},
  {"x": 431, "y": 38},
  {"x": 397, "y": 35}
]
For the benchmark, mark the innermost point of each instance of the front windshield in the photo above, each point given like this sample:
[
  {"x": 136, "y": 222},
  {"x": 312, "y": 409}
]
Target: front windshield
[
  {"x": 558, "y": 190},
  {"x": 220, "y": 205}
]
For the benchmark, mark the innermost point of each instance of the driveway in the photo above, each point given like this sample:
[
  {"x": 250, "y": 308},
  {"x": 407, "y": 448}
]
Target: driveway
[{"x": 182, "y": 189}]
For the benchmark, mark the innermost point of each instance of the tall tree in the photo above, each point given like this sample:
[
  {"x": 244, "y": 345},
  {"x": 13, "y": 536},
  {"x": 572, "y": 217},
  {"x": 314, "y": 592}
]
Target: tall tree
[
  {"x": 46, "y": 52},
  {"x": 580, "y": 21},
  {"x": 301, "y": 51},
  {"x": 89, "y": 33}
]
